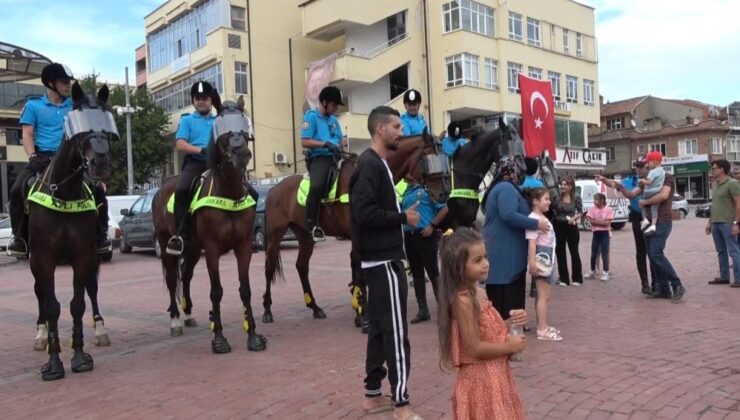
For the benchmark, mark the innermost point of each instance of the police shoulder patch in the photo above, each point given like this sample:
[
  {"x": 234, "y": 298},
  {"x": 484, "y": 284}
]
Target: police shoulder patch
[{"x": 305, "y": 125}]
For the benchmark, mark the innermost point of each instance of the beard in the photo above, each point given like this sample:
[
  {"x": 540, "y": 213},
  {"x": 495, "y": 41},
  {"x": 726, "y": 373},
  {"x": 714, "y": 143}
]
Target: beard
[{"x": 392, "y": 145}]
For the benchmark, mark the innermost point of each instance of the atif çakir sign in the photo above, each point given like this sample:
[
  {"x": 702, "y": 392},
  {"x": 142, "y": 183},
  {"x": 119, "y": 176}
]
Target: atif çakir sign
[{"x": 571, "y": 156}]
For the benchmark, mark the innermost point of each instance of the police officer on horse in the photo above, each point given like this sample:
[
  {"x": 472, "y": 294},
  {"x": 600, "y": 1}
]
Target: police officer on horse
[
  {"x": 42, "y": 120},
  {"x": 322, "y": 136},
  {"x": 413, "y": 122}
]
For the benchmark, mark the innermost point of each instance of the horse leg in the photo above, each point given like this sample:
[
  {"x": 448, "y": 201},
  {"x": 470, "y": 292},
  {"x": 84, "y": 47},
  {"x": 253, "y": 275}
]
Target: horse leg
[
  {"x": 305, "y": 250},
  {"x": 101, "y": 335},
  {"x": 272, "y": 265},
  {"x": 187, "y": 301},
  {"x": 42, "y": 329},
  {"x": 255, "y": 342},
  {"x": 43, "y": 272},
  {"x": 219, "y": 344},
  {"x": 358, "y": 293},
  {"x": 85, "y": 272},
  {"x": 170, "y": 270}
]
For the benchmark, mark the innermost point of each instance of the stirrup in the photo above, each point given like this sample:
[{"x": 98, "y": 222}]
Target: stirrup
[
  {"x": 175, "y": 246},
  {"x": 318, "y": 234},
  {"x": 17, "y": 247}
]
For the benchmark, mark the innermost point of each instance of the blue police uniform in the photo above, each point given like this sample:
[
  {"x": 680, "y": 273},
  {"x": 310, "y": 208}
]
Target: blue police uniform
[
  {"x": 427, "y": 209},
  {"x": 413, "y": 125},
  {"x": 323, "y": 128},
  {"x": 47, "y": 120},
  {"x": 450, "y": 145},
  {"x": 531, "y": 183},
  {"x": 630, "y": 183},
  {"x": 196, "y": 130}
]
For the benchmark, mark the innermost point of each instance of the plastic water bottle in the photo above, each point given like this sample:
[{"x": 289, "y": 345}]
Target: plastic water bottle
[{"x": 516, "y": 330}]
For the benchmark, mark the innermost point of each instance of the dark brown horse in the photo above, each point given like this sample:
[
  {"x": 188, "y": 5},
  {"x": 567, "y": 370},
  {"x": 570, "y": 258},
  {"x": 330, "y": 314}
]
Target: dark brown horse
[
  {"x": 416, "y": 155},
  {"x": 63, "y": 223},
  {"x": 217, "y": 230}
]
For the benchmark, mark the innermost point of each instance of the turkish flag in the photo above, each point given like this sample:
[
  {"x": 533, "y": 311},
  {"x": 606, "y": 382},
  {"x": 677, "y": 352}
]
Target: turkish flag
[{"x": 538, "y": 116}]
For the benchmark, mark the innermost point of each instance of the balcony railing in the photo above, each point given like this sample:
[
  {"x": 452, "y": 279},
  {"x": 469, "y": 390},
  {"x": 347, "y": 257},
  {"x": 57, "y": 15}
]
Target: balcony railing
[{"x": 375, "y": 51}]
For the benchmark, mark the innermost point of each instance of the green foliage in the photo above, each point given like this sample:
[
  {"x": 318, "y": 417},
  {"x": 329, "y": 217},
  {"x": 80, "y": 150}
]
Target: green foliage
[{"x": 148, "y": 128}]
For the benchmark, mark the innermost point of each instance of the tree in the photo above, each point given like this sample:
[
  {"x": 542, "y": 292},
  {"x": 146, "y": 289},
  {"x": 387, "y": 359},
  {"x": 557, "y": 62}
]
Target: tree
[{"x": 148, "y": 128}]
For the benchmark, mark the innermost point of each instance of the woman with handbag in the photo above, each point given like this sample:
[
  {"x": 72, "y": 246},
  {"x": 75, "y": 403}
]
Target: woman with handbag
[{"x": 541, "y": 264}]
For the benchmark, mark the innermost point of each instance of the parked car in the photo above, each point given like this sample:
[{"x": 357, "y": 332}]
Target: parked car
[
  {"x": 703, "y": 210},
  {"x": 680, "y": 204},
  {"x": 137, "y": 226},
  {"x": 5, "y": 233},
  {"x": 259, "y": 239},
  {"x": 586, "y": 188},
  {"x": 114, "y": 233},
  {"x": 116, "y": 203}
]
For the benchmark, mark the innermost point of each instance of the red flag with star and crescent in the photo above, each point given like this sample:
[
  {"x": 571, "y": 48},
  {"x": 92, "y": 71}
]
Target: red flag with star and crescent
[{"x": 538, "y": 116}]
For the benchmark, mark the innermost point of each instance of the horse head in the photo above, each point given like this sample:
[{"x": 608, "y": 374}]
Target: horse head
[
  {"x": 231, "y": 131},
  {"x": 431, "y": 168},
  {"x": 90, "y": 127},
  {"x": 548, "y": 175}
]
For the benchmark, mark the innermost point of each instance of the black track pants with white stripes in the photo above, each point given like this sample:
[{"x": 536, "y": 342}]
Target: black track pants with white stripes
[{"x": 387, "y": 341}]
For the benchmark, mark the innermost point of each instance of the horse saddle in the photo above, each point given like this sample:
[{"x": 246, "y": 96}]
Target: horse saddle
[
  {"x": 330, "y": 190},
  {"x": 209, "y": 200}
]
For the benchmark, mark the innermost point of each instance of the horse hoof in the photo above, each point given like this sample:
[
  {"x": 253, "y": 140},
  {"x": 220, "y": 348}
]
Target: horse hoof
[
  {"x": 220, "y": 345},
  {"x": 319, "y": 314},
  {"x": 102, "y": 340},
  {"x": 256, "y": 343},
  {"x": 190, "y": 323},
  {"x": 176, "y": 331},
  {"x": 40, "y": 344},
  {"x": 267, "y": 319},
  {"x": 82, "y": 362},
  {"x": 52, "y": 371}
]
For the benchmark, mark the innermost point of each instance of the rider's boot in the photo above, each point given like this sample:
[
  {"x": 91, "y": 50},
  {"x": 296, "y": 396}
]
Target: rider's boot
[
  {"x": 252, "y": 192},
  {"x": 176, "y": 244}
]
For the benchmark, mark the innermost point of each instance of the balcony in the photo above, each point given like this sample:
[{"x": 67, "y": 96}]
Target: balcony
[
  {"x": 327, "y": 19},
  {"x": 354, "y": 126},
  {"x": 353, "y": 66},
  {"x": 467, "y": 101}
]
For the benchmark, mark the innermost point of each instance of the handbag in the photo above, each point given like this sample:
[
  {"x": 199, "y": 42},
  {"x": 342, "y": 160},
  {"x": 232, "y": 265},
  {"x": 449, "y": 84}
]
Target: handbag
[{"x": 543, "y": 260}]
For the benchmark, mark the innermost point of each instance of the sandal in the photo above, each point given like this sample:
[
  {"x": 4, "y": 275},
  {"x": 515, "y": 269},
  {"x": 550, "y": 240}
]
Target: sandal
[
  {"x": 549, "y": 334},
  {"x": 557, "y": 331}
]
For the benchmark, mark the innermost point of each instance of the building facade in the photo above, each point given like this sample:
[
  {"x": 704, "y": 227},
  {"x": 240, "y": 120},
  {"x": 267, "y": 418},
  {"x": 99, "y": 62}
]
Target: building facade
[{"x": 463, "y": 56}]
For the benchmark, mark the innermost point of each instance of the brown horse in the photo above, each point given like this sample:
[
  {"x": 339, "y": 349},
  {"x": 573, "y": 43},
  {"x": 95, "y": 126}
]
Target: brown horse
[
  {"x": 218, "y": 230},
  {"x": 416, "y": 155},
  {"x": 63, "y": 222}
]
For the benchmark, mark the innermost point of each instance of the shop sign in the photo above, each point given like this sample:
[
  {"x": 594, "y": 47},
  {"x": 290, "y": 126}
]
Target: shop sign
[
  {"x": 576, "y": 156},
  {"x": 678, "y": 160}
]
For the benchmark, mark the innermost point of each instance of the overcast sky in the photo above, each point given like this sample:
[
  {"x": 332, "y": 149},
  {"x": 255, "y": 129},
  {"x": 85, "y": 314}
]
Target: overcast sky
[{"x": 683, "y": 49}]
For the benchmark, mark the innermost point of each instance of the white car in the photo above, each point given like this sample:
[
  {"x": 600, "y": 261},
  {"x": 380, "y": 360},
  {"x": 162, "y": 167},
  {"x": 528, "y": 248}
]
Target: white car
[
  {"x": 5, "y": 234},
  {"x": 680, "y": 204},
  {"x": 586, "y": 188}
]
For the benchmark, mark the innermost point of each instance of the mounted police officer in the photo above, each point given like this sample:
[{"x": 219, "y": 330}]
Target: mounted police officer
[
  {"x": 454, "y": 140},
  {"x": 42, "y": 120},
  {"x": 192, "y": 139},
  {"x": 413, "y": 122},
  {"x": 322, "y": 136}
]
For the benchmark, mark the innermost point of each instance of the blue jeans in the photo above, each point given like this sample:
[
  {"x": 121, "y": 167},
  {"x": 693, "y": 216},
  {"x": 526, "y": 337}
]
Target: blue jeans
[
  {"x": 655, "y": 244},
  {"x": 726, "y": 244},
  {"x": 600, "y": 245}
]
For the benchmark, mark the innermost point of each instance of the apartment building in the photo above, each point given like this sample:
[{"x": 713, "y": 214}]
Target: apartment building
[{"x": 464, "y": 56}]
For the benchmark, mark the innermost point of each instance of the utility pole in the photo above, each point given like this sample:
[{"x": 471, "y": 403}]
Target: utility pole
[{"x": 129, "y": 153}]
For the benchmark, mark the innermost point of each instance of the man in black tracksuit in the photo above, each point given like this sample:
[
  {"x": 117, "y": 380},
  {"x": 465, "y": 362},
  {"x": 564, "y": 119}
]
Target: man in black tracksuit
[{"x": 376, "y": 232}]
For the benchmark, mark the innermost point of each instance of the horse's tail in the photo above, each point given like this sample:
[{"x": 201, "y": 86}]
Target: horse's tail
[{"x": 273, "y": 264}]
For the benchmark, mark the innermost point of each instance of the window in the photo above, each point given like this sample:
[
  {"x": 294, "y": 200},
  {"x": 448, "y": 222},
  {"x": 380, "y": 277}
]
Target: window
[
  {"x": 237, "y": 18},
  {"x": 555, "y": 81},
  {"x": 513, "y": 72},
  {"x": 716, "y": 146},
  {"x": 241, "y": 82},
  {"x": 566, "y": 41},
  {"x": 462, "y": 69},
  {"x": 137, "y": 207},
  {"x": 468, "y": 15},
  {"x": 659, "y": 147},
  {"x": 614, "y": 124},
  {"x": 491, "y": 73},
  {"x": 733, "y": 148},
  {"x": 535, "y": 73},
  {"x": 588, "y": 92},
  {"x": 610, "y": 154},
  {"x": 235, "y": 41},
  {"x": 13, "y": 136},
  {"x": 515, "y": 27},
  {"x": 687, "y": 147},
  {"x": 533, "y": 32},
  {"x": 570, "y": 133},
  {"x": 177, "y": 95},
  {"x": 579, "y": 44},
  {"x": 571, "y": 93},
  {"x": 396, "y": 26}
]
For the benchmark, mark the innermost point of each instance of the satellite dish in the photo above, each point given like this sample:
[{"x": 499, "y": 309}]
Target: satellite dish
[{"x": 633, "y": 123}]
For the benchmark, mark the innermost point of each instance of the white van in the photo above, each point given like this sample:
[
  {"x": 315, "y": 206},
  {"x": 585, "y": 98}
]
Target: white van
[{"x": 586, "y": 188}]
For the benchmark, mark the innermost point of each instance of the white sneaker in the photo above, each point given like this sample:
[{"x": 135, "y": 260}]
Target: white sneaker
[
  {"x": 644, "y": 224},
  {"x": 605, "y": 276},
  {"x": 649, "y": 231},
  {"x": 562, "y": 284},
  {"x": 589, "y": 275},
  {"x": 576, "y": 284}
]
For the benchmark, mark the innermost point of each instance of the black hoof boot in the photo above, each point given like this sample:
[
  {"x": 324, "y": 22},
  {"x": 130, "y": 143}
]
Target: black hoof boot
[
  {"x": 82, "y": 362},
  {"x": 220, "y": 345},
  {"x": 190, "y": 323},
  {"x": 365, "y": 328},
  {"x": 358, "y": 321},
  {"x": 267, "y": 318},
  {"x": 256, "y": 342},
  {"x": 52, "y": 370},
  {"x": 319, "y": 314}
]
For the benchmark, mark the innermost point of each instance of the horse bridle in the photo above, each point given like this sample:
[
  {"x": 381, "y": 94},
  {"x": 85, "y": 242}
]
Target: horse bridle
[
  {"x": 426, "y": 171},
  {"x": 79, "y": 141}
]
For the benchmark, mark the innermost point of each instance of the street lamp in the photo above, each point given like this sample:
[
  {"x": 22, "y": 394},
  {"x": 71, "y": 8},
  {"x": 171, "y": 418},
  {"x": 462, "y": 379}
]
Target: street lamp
[{"x": 128, "y": 110}]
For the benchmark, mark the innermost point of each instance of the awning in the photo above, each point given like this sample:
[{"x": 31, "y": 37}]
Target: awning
[{"x": 18, "y": 64}]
